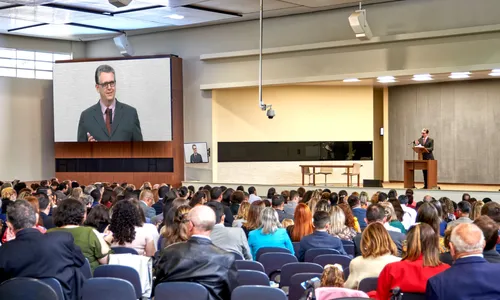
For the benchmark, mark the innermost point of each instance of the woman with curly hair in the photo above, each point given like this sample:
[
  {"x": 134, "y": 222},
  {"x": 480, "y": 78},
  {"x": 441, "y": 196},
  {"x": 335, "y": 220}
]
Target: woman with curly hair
[
  {"x": 128, "y": 231},
  {"x": 177, "y": 231}
]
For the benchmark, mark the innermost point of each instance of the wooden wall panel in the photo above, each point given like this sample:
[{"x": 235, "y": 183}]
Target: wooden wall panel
[{"x": 172, "y": 149}]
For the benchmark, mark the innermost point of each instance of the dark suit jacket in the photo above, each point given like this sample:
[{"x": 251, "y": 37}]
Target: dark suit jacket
[
  {"x": 48, "y": 223},
  {"x": 468, "y": 278},
  {"x": 429, "y": 145},
  {"x": 319, "y": 239},
  {"x": 37, "y": 255},
  {"x": 125, "y": 128},
  {"x": 397, "y": 237},
  {"x": 158, "y": 206},
  {"x": 196, "y": 158},
  {"x": 199, "y": 260},
  {"x": 492, "y": 256}
]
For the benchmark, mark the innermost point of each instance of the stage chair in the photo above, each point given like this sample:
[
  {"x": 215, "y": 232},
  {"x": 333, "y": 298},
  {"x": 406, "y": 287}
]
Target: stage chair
[
  {"x": 308, "y": 172},
  {"x": 356, "y": 171},
  {"x": 325, "y": 171}
]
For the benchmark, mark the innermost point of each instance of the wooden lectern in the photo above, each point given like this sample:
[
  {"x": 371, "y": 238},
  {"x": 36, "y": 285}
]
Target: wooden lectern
[{"x": 411, "y": 165}]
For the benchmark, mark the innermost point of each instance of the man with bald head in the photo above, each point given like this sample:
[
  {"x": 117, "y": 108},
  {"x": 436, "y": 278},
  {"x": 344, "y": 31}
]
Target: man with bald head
[
  {"x": 471, "y": 276},
  {"x": 199, "y": 260}
]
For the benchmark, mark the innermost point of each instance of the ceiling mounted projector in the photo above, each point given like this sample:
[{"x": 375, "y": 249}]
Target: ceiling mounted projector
[
  {"x": 119, "y": 3},
  {"x": 359, "y": 25}
]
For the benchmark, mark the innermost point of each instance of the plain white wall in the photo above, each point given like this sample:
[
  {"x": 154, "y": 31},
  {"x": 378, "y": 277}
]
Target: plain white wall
[{"x": 385, "y": 19}]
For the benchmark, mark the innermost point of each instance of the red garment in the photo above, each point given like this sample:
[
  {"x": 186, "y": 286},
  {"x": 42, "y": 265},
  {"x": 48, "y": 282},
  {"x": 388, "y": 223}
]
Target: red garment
[
  {"x": 9, "y": 235},
  {"x": 409, "y": 276}
]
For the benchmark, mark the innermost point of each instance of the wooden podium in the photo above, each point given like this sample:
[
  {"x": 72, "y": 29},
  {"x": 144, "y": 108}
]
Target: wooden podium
[{"x": 411, "y": 165}]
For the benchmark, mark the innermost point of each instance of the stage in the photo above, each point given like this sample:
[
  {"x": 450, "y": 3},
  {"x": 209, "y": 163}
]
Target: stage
[{"x": 452, "y": 191}]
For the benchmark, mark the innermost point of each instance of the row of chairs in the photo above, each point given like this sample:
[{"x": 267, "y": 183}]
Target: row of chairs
[{"x": 348, "y": 247}]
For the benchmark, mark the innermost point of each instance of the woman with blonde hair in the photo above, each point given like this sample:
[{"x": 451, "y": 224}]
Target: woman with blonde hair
[
  {"x": 177, "y": 231},
  {"x": 287, "y": 222},
  {"x": 338, "y": 226},
  {"x": 392, "y": 218},
  {"x": 377, "y": 249},
  {"x": 269, "y": 234},
  {"x": 476, "y": 210},
  {"x": 9, "y": 195},
  {"x": 242, "y": 215},
  {"x": 312, "y": 204}
]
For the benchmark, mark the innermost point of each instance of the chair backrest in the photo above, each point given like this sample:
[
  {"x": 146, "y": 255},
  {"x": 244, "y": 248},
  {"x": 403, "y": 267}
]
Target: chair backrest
[
  {"x": 251, "y": 277},
  {"x": 273, "y": 262},
  {"x": 368, "y": 284},
  {"x": 124, "y": 250},
  {"x": 249, "y": 265},
  {"x": 181, "y": 290},
  {"x": 270, "y": 250},
  {"x": 288, "y": 270},
  {"x": 122, "y": 272},
  {"x": 295, "y": 290},
  {"x": 55, "y": 285},
  {"x": 86, "y": 270},
  {"x": 328, "y": 170},
  {"x": 312, "y": 253},
  {"x": 356, "y": 168},
  {"x": 26, "y": 289},
  {"x": 326, "y": 259},
  {"x": 236, "y": 255},
  {"x": 108, "y": 289},
  {"x": 249, "y": 292},
  {"x": 349, "y": 249},
  {"x": 413, "y": 296},
  {"x": 296, "y": 247}
]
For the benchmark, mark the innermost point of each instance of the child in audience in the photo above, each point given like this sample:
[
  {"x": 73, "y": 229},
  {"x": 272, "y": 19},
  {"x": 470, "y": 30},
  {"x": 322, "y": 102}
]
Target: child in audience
[
  {"x": 286, "y": 222},
  {"x": 333, "y": 276}
]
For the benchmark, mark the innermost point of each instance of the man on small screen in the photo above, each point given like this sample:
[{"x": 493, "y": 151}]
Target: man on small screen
[
  {"x": 108, "y": 120},
  {"x": 196, "y": 157}
]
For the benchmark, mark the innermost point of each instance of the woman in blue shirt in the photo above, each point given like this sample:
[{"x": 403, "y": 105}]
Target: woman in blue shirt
[{"x": 269, "y": 234}]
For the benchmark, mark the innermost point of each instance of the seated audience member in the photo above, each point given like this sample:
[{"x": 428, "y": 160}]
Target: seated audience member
[
  {"x": 420, "y": 263},
  {"x": 392, "y": 218},
  {"x": 320, "y": 237},
  {"x": 463, "y": 210},
  {"x": 323, "y": 205},
  {"x": 269, "y": 233},
  {"x": 252, "y": 195},
  {"x": 334, "y": 199},
  {"x": 108, "y": 198},
  {"x": 45, "y": 205},
  {"x": 36, "y": 255},
  {"x": 287, "y": 222},
  {"x": 199, "y": 260},
  {"x": 471, "y": 276},
  {"x": 375, "y": 213},
  {"x": 8, "y": 197},
  {"x": 162, "y": 193},
  {"x": 446, "y": 257},
  {"x": 147, "y": 200},
  {"x": 303, "y": 224},
  {"x": 363, "y": 200},
  {"x": 9, "y": 233},
  {"x": 216, "y": 195},
  {"x": 331, "y": 285},
  {"x": 199, "y": 198},
  {"x": 240, "y": 188},
  {"x": 128, "y": 231},
  {"x": 227, "y": 194},
  {"x": 350, "y": 220},
  {"x": 242, "y": 215},
  {"x": 492, "y": 210},
  {"x": 490, "y": 232},
  {"x": 237, "y": 198},
  {"x": 439, "y": 208},
  {"x": 338, "y": 227},
  {"x": 292, "y": 204},
  {"x": 377, "y": 249},
  {"x": 448, "y": 209},
  {"x": 382, "y": 197},
  {"x": 98, "y": 218},
  {"x": 253, "y": 218},
  {"x": 176, "y": 226},
  {"x": 392, "y": 194},
  {"x": 69, "y": 217},
  {"x": 357, "y": 210},
  {"x": 278, "y": 203},
  {"x": 228, "y": 238},
  {"x": 409, "y": 215},
  {"x": 476, "y": 209},
  {"x": 427, "y": 213}
]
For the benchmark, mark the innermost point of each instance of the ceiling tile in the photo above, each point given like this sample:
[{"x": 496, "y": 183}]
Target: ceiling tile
[
  {"x": 320, "y": 3},
  {"x": 28, "y": 2},
  {"x": 68, "y": 32},
  {"x": 105, "y": 6},
  {"x": 121, "y": 23},
  {"x": 190, "y": 16},
  {"x": 7, "y": 23},
  {"x": 43, "y": 14},
  {"x": 245, "y": 6}
]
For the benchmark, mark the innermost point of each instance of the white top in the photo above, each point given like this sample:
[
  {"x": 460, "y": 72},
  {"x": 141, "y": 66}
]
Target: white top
[
  {"x": 390, "y": 228},
  {"x": 142, "y": 238},
  {"x": 409, "y": 216},
  {"x": 151, "y": 228},
  {"x": 253, "y": 198},
  {"x": 361, "y": 268}
]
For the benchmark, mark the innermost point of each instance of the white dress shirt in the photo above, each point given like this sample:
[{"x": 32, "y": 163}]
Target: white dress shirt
[{"x": 409, "y": 216}]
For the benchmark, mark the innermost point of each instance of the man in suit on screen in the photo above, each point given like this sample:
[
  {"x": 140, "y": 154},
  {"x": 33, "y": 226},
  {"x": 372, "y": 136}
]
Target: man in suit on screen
[
  {"x": 108, "y": 120},
  {"x": 428, "y": 143},
  {"x": 196, "y": 157}
]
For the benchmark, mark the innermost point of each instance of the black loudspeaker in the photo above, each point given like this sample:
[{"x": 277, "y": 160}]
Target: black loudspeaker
[{"x": 372, "y": 183}]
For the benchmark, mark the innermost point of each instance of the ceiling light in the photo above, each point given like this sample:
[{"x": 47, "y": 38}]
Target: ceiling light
[
  {"x": 351, "y": 80},
  {"x": 175, "y": 17},
  {"x": 422, "y": 77},
  {"x": 459, "y": 75},
  {"x": 495, "y": 72},
  {"x": 386, "y": 79}
]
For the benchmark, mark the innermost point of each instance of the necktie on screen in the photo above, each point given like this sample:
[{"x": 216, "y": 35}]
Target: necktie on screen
[{"x": 109, "y": 115}]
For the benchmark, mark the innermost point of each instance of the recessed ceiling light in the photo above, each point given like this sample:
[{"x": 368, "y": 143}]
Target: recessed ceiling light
[
  {"x": 351, "y": 80},
  {"x": 175, "y": 17},
  {"x": 459, "y": 75},
  {"x": 386, "y": 79},
  {"x": 495, "y": 72},
  {"x": 422, "y": 77}
]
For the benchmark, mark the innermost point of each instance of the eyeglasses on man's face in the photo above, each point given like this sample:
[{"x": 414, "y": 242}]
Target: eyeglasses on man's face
[{"x": 110, "y": 84}]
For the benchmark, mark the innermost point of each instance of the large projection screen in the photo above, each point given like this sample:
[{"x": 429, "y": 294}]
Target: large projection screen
[{"x": 144, "y": 84}]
